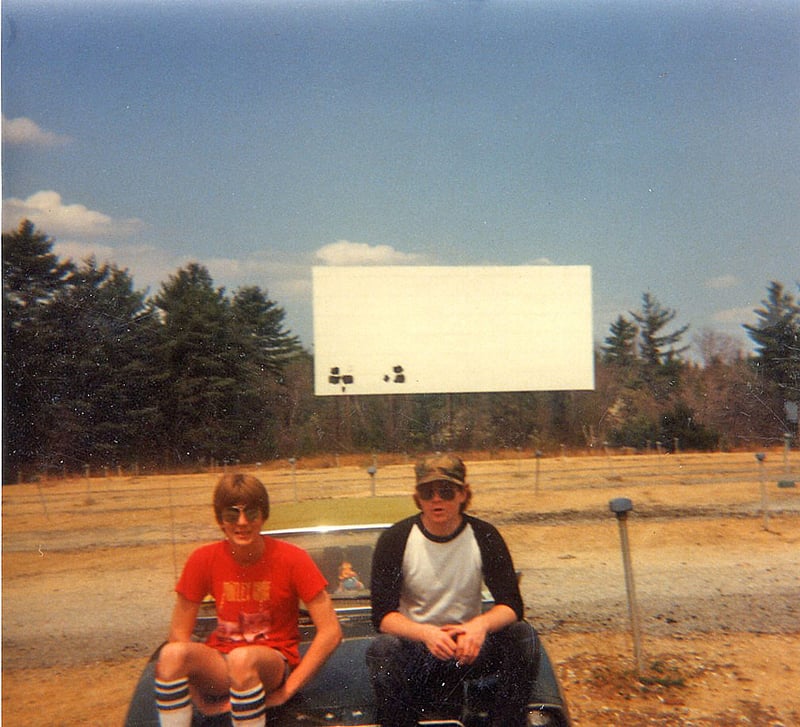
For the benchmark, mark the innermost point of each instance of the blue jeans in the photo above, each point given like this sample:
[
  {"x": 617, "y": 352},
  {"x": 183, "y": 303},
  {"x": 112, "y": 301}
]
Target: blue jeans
[{"x": 411, "y": 684}]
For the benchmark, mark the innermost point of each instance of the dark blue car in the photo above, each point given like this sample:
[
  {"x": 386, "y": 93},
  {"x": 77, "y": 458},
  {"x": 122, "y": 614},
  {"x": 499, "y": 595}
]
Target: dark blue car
[{"x": 340, "y": 694}]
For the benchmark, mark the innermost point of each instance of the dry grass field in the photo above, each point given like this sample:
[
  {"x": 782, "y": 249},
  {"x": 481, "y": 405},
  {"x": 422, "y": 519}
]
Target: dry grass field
[{"x": 89, "y": 566}]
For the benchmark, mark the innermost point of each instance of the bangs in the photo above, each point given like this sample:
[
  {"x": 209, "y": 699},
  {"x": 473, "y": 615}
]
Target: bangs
[{"x": 240, "y": 489}]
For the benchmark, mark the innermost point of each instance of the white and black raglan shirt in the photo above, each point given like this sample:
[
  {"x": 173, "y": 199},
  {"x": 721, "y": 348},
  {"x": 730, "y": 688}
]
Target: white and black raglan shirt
[{"x": 438, "y": 580}]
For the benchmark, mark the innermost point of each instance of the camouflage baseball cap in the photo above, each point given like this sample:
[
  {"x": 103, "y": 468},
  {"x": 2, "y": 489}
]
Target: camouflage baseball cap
[{"x": 441, "y": 468}]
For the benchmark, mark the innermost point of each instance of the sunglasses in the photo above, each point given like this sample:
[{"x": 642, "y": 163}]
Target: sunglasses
[
  {"x": 444, "y": 490},
  {"x": 233, "y": 513}
]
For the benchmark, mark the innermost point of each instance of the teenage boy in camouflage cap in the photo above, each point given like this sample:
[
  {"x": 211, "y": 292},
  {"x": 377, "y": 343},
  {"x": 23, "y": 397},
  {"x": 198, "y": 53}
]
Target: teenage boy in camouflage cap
[{"x": 427, "y": 577}]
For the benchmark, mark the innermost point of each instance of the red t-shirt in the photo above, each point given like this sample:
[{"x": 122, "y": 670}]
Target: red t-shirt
[{"x": 256, "y": 604}]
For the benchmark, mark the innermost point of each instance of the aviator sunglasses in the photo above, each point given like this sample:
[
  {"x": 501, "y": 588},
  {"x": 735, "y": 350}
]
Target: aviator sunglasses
[
  {"x": 231, "y": 514},
  {"x": 445, "y": 490}
]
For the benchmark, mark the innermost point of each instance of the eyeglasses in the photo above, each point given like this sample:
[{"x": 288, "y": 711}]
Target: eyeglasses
[
  {"x": 233, "y": 513},
  {"x": 445, "y": 490}
]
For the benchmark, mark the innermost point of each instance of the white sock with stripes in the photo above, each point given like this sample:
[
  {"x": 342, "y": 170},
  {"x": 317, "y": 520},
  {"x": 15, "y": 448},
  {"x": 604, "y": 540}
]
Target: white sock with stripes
[
  {"x": 174, "y": 703},
  {"x": 247, "y": 708}
]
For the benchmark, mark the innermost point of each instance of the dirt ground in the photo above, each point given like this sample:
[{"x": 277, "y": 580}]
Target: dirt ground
[{"x": 89, "y": 566}]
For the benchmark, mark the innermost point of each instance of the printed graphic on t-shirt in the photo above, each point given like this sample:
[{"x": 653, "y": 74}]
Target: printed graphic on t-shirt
[
  {"x": 251, "y": 626},
  {"x": 240, "y": 592}
]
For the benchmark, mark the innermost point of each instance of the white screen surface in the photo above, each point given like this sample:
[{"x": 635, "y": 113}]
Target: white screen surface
[{"x": 410, "y": 330}]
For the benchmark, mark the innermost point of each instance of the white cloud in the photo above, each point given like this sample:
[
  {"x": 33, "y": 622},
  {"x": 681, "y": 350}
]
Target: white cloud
[
  {"x": 733, "y": 315},
  {"x": 25, "y": 132},
  {"x": 344, "y": 252},
  {"x": 284, "y": 280},
  {"x": 722, "y": 282},
  {"x": 77, "y": 251},
  {"x": 148, "y": 265},
  {"x": 226, "y": 268},
  {"x": 48, "y": 212}
]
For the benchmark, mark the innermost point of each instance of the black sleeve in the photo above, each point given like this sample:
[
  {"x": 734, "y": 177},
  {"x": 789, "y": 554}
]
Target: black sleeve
[
  {"x": 498, "y": 567},
  {"x": 387, "y": 570}
]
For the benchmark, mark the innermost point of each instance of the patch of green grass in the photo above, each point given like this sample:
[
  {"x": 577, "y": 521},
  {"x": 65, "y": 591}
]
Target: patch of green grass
[
  {"x": 340, "y": 511},
  {"x": 663, "y": 675}
]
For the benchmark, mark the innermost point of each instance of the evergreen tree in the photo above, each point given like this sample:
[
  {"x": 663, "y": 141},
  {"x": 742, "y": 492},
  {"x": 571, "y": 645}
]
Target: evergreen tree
[
  {"x": 261, "y": 323},
  {"x": 657, "y": 348},
  {"x": 637, "y": 396},
  {"x": 777, "y": 339},
  {"x": 620, "y": 345},
  {"x": 267, "y": 348},
  {"x": 101, "y": 373},
  {"x": 31, "y": 272},
  {"x": 201, "y": 357},
  {"x": 32, "y": 275},
  {"x": 223, "y": 360}
]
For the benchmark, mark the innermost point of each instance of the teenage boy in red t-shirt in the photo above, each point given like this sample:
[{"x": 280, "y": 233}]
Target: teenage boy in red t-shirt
[{"x": 251, "y": 661}]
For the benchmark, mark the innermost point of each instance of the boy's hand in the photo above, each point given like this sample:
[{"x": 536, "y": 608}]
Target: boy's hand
[
  {"x": 441, "y": 642},
  {"x": 469, "y": 641}
]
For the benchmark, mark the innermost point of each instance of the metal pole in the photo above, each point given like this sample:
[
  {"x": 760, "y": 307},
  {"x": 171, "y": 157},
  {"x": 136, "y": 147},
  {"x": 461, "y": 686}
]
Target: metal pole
[
  {"x": 42, "y": 500},
  {"x": 764, "y": 510},
  {"x": 89, "y": 499},
  {"x": 611, "y": 473},
  {"x": 788, "y": 481},
  {"x": 293, "y": 463},
  {"x": 787, "y": 443},
  {"x": 536, "y": 480},
  {"x": 621, "y": 506}
]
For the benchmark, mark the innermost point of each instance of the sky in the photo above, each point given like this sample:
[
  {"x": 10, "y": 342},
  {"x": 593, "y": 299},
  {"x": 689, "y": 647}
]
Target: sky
[{"x": 657, "y": 142}]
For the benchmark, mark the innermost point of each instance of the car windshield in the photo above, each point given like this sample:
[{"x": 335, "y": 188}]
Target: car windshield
[{"x": 342, "y": 553}]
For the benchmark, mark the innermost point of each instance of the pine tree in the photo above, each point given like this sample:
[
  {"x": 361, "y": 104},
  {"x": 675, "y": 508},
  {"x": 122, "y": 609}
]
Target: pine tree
[
  {"x": 620, "y": 345},
  {"x": 261, "y": 322},
  {"x": 200, "y": 358},
  {"x": 32, "y": 275},
  {"x": 777, "y": 339},
  {"x": 101, "y": 337},
  {"x": 656, "y": 348}
]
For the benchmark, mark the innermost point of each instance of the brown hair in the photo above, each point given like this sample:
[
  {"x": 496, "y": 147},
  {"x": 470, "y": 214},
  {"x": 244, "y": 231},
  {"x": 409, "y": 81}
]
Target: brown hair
[{"x": 240, "y": 489}]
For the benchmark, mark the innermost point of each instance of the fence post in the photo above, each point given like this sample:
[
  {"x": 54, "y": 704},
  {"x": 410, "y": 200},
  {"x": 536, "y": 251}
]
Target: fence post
[
  {"x": 764, "y": 509},
  {"x": 621, "y": 506},
  {"x": 293, "y": 463}
]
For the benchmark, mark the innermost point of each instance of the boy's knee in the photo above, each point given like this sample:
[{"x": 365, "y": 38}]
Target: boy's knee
[
  {"x": 248, "y": 667},
  {"x": 171, "y": 660},
  {"x": 521, "y": 643},
  {"x": 241, "y": 665},
  {"x": 522, "y": 632}
]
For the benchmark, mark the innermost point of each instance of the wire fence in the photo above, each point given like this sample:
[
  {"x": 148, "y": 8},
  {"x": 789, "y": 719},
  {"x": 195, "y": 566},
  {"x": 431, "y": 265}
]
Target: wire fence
[
  {"x": 99, "y": 512},
  {"x": 292, "y": 483}
]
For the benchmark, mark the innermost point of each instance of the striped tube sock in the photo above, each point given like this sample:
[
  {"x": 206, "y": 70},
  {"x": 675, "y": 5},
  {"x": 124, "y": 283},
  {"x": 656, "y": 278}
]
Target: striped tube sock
[
  {"x": 174, "y": 703},
  {"x": 247, "y": 708}
]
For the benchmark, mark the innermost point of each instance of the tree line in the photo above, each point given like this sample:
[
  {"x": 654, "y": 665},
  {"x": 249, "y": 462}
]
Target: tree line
[{"x": 99, "y": 374}]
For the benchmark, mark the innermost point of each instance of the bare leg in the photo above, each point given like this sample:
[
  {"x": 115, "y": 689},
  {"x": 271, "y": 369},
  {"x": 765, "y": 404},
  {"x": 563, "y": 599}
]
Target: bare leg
[
  {"x": 202, "y": 667},
  {"x": 254, "y": 672}
]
